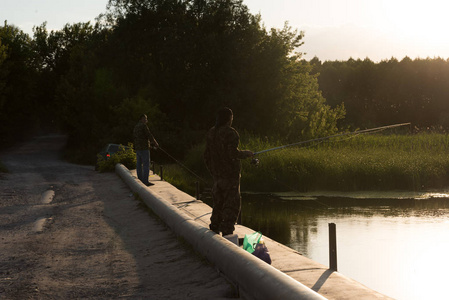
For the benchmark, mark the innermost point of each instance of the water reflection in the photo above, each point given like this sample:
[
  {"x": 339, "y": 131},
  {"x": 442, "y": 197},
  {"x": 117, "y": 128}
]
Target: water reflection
[{"x": 395, "y": 246}]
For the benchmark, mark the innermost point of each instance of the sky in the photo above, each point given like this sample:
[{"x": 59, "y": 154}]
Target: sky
[{"x": 333, "y": 29}]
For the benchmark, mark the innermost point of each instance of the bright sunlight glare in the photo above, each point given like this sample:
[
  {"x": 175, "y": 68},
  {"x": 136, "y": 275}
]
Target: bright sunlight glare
[
  {"x": 377, "y": 29},
  {"x": 422, "y": 21},
  {"x": 334, "y": 29}
]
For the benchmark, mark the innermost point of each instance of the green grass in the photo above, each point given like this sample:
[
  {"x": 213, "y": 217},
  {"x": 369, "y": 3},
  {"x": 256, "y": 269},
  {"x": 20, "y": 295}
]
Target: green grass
[
  {"x": 366, "y": 162},
  {"x": 363, "y": 162},
  {"x": 182, "y": 178}
]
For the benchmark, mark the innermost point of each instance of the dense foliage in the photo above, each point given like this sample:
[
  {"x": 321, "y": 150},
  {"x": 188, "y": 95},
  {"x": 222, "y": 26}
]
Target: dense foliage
[
  {"x": 178, "y": 61},
  {"x": 18, "y": 83},
  {"x": 125, "y": 156},
  {"x": 388, "y": 92}
]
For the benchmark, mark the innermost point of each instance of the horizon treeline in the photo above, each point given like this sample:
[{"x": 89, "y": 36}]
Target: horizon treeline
[
  {"x": 180, "y": 61},
  {"x": 388, "y": 92}
]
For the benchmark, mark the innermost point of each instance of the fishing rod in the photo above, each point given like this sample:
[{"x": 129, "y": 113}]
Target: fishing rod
[{"x": 255, "y": 161}]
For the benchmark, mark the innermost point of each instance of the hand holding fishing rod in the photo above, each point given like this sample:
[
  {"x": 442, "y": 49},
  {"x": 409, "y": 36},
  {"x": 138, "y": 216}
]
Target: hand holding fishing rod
[{"x": 155, "y": 145}]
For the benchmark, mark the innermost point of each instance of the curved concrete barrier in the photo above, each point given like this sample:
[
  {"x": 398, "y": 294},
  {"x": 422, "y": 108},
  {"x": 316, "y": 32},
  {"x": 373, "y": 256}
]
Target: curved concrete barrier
[{"x": 254, "y": 277}]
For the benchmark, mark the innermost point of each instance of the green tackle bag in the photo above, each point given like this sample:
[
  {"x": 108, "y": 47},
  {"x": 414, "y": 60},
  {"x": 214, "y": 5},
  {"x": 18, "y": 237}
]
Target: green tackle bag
[{"x": 251, "y": 240}]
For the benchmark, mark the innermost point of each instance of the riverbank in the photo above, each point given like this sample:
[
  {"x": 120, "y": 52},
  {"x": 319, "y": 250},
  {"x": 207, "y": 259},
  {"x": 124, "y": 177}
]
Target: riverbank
[
  {"x": 414, "y": 162},
  {"x": 317, "y": 277}
]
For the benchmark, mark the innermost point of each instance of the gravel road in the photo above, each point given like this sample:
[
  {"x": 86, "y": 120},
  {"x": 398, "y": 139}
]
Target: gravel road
[{"x": 93, "y": 240}]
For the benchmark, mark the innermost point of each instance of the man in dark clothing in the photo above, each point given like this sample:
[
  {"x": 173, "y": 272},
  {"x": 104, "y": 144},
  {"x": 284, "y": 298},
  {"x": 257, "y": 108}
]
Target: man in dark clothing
[
  {"x": 143, "y": 139},
  {"x": 222, "y": 157}
]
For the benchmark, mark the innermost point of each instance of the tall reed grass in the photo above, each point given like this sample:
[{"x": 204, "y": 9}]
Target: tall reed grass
[{"x": 363, "y": 162}]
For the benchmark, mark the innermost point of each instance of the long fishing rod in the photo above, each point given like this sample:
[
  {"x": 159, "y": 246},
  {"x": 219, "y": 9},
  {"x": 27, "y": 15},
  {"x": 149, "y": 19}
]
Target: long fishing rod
[{"x": 332, "y": 136}]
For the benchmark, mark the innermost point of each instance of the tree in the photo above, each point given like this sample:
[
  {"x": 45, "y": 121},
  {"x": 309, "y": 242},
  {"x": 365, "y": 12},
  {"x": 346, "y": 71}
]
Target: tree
[
  {"x": 82, "y": 87},
  {"x": 18, "y": 109},
  {"x": 196, "y": 56},
  {"x": 179, "y": 60},
  {"x": 388, "y": 92}
]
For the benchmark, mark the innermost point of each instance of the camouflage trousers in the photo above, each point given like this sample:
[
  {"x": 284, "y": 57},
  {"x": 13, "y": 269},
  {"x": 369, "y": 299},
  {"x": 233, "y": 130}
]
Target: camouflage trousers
[{"x": 227, "y": 203}]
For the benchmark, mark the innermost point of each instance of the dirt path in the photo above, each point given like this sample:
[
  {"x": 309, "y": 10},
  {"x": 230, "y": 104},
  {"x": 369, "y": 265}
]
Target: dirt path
[{"x": 94, "y": 240}]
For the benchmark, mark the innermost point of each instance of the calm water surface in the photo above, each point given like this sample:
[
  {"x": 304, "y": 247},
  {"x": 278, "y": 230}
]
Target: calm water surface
[{"x": 398, "y": 247}]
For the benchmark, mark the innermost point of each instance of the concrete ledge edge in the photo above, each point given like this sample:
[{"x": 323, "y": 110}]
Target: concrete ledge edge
[{"x": 253, "y": 276}]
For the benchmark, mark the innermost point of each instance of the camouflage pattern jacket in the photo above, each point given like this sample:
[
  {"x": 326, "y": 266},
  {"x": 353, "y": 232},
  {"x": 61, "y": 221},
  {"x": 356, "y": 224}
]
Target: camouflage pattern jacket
[
  {"x": 222, "y": 156},
  {"x": 142, "y": 137}
]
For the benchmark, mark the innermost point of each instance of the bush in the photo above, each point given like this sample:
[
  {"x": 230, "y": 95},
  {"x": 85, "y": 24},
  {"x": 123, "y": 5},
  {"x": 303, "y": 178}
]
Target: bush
[{"x": 125, "y": 156}]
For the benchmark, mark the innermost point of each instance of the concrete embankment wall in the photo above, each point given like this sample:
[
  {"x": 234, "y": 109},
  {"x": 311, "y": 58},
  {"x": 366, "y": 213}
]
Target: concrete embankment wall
[
  {"x": 254, "y": 278},
  {"x": 290, "y": 276}
]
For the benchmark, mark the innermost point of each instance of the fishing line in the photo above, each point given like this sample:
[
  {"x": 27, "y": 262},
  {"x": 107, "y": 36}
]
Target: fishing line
[
  {"x": 322, "y": 140},
  {"x": 295, "y": 190},
  {"x": 319, "y": 140},
  {"x": 179, "y": 163},
  {"x": 332, "y": 136},
  {"x": 209, "y": 213},
  {"x": 185, "y": 203}
]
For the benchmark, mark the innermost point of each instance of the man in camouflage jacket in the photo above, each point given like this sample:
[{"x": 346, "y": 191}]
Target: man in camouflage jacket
[
  {"x": 143, "y": 139},
  {"x": 222, "y": 157}
]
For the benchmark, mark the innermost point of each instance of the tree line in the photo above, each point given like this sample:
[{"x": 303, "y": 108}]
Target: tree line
[
  {"x": 178, "y": 61},
  {"x": 388, "y": 92}
]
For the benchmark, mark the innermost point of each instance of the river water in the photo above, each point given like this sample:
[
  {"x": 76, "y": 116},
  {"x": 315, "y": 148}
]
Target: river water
[{"x": 396, "y": 244}]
